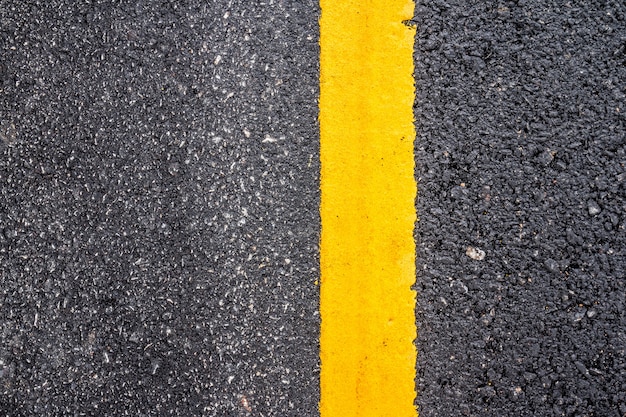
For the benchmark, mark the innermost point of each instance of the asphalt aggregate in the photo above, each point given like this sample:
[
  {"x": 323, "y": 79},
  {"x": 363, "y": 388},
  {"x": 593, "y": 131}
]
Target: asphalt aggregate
[
  {"x": 520, "y": 154},
  {"x": 159, "y": 194},
  {"x": 159, "y": 216}
]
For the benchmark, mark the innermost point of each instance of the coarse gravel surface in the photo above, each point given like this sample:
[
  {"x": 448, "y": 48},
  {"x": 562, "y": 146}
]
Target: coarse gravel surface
[
  {"x": 158, "y": 208},
  {"x": 520, "y": 158}
]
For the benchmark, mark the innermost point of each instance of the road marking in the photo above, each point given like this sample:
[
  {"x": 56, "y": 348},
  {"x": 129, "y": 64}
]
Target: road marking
[{"x": 367, "y": 209}]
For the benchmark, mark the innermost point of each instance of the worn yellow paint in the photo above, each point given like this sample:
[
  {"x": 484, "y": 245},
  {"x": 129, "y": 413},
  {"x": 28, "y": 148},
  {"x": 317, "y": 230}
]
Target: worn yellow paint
[{"x": 367, "y": 209}]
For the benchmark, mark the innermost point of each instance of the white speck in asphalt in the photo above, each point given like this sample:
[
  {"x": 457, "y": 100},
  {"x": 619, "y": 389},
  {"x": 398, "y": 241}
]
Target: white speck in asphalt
[
  {"x": 155, "y": 367},
  {"x": 593, "y": 207},
  {"x": 269, "y": 139},
  {"x": 475, "y": 253}
]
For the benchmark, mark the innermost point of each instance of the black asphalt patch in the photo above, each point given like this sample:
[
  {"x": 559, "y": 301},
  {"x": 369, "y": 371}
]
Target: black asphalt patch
[
  {"x": 159, "y": 208},
  {"x": 520, "y": 156}
]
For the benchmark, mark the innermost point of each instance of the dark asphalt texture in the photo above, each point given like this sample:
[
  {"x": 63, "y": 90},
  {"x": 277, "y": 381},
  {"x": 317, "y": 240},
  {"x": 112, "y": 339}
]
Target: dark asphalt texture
[
  {"x": 520, "y": 154},
  {"x": 159, "y": 218},
  {"x": 159, "y": 201}
]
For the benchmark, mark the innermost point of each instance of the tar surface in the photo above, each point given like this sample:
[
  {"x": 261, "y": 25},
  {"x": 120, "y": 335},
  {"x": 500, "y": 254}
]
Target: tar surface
[
  {"x": 520, "y": 159},
  {"x": 158, "y": 208}
]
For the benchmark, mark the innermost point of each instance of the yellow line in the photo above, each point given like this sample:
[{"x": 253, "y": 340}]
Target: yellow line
[{"x": 367, "y": 209}]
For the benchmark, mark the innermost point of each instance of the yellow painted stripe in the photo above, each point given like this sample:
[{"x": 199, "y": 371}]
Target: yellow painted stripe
[{"x": 367, "y": 209}]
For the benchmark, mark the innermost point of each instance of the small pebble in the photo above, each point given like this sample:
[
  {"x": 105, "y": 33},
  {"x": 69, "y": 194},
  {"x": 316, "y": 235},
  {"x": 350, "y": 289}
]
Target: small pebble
[
  {"x": 593, "y": 207},
  {"x": 578, "y": 316},
  {"x": 546, "y": 157},
  {"x": 551, "y": 265},
  {"x": 475, "y": 253}
]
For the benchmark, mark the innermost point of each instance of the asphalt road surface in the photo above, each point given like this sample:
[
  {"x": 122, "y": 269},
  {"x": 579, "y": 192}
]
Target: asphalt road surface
[
  {"x": 159, "y": 208},
  {"x": 520, "y": 151}
]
